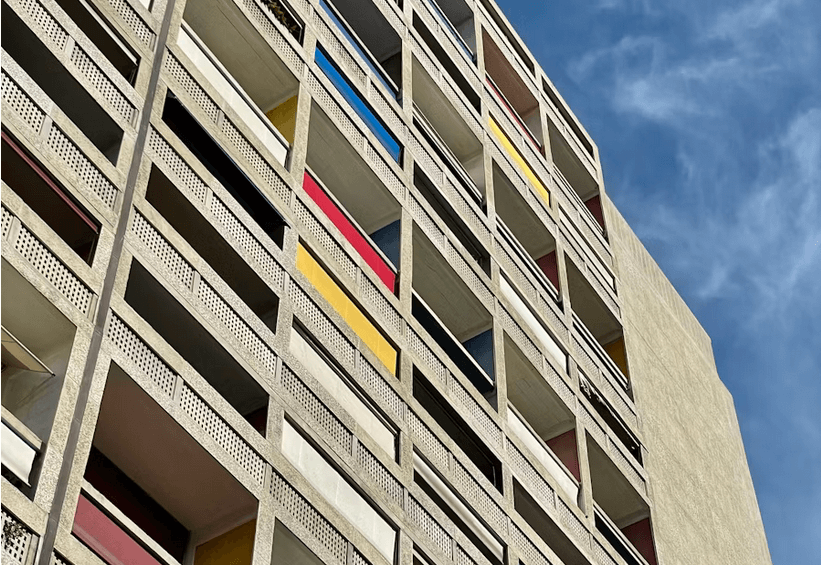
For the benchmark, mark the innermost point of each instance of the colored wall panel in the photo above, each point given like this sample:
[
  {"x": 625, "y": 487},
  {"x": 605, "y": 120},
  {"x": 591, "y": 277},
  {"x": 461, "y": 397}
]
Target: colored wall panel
[
  {"x": 615, "y": 349},
  {"x": 107, "y": 539},
  {"x": 284, "y": 118},
  {"x": 564, "y": 446},
  {"x": 351, "y": 233},
  {"x": 352, "y": 315},
  {"x": 594, "y": 205},
  {"x": 234, "y": 547},
  {"x": 358, "y": 104},
  {"x": 547, "y": 264},
  {"x": 517, "y": 158},
  {"x": 641, "y": 537}
]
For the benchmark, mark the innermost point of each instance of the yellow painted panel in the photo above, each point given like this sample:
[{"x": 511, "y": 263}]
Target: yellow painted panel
[
  {"x": 235, "y": 547},
  {"x": 284, "y": 118},
  {"x": 346, "y": 308},
  {"x": 615, "y": 349},
  {"x": 514, "y": 154}
]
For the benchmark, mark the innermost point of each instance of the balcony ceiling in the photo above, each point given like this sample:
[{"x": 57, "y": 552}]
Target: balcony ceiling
[
  {"x": 145, "y": 442},
  {"x": 242, "y": 51},
  {"x": 507, "y": 79},
  {"x": 520, "y": 219}
]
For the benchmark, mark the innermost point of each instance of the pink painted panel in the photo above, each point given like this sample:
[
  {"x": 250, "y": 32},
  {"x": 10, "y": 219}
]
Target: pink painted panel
[
  {"x": 351, "y": 233},
  {"x": 641, "y": 536},
  {"x": 548, "y": 266},
  {"x": 106, "y": 538},
  {"x": 564, "y": 446}
]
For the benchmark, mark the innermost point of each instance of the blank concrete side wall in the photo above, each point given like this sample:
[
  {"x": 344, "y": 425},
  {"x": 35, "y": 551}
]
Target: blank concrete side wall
[{"x": 705, "y": 509}]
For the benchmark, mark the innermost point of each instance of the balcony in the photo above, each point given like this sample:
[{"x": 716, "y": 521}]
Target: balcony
[
  {"x": 52, "y": 202},
  {"x": 541, "y": 420},
  {"x": 452, "y": 314},
  {"x": 457, "y": 18},
  {"x": 38, "y": 61},
  {"x": 462, "y": 433},
  {"x": 362, "y": 108},
  {"x": 446, "y": 63},
  {"x": 210, "y": 244},
  {"x": 339, "y": 491},
  {"x": 241, "y": 66},
  {"x": 462, "y": 516},
  {"x": 611, "y": 417},
  {"x": 348, "y": 310},
  {"x": 532, "y": 243},
  {"x": 151, "y": 494},
  {"x": 577, "y": 179},
  {"x": 443, "y": 129},
  {"x": 105, "y": 38},
  {"x": 172, "y": 320},
  {"x": 215, "y": 159},
  {"x": 353, "y": 198},
  {"x": 512, "y": 94},
  {"x": 599, "y": 329},
  {"x": 370, "y": 24},
  {"x": 521, "y": 163},
  {"x": 37, "y": 341},
  {"x": 621, "y": 515},
  {"x": 452, "y": 219}
]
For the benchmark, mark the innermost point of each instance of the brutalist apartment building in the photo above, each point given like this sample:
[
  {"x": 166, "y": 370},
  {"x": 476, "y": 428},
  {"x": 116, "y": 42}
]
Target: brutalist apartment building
[{"x": 335, "y": 281}]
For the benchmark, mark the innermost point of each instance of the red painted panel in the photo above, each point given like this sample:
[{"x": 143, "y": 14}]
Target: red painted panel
[
  {"x": 594, "y": 205},
  {"x": 641, "y": 536},
  {"x": 548, "y": 266},
  {"x": 106, "y": 538},
  {"x": 362, "y": 246},
  {"x": 564, "y": 446}
]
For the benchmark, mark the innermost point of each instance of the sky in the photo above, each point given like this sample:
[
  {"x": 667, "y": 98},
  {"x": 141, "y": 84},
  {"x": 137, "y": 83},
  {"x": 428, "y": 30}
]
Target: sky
[{"x": 707, "y": 114}]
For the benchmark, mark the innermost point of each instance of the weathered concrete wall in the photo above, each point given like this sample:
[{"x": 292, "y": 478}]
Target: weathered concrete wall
[{"x": 705, "y": 509}]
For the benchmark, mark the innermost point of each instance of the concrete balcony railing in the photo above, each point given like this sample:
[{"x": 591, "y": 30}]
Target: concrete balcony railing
[{"x": 19, "y": 542}]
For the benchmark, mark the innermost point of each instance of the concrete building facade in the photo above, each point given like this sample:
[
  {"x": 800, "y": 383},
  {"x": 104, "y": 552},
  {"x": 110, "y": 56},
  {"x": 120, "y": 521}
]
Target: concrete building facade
[{"x": 335, "y": 281}]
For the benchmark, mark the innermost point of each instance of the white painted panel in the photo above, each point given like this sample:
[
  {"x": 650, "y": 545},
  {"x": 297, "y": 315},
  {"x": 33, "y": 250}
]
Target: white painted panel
[
  {"x": 228, "y": 91},
  {"x": 541, "y": 334},
  {"x": 17, "y": 455},
  {"x": 546, "y": 458},
  {"x": 338, "y": 491},
  {"x": 341, "y": 391}
]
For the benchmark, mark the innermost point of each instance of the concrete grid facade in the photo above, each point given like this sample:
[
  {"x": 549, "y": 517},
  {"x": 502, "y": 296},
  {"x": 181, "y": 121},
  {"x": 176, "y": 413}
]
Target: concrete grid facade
[{"x": 335, "y": 282}]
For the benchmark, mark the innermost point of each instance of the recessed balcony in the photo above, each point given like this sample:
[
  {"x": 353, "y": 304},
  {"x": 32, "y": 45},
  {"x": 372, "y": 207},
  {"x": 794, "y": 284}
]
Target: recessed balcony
[
  {"x": 599, "y": 327},
  {"x": 576, "y": 175},
  {"x": 462, "y": 516},
  {"x": 533, "y": 243},
  {"x": 452, "y": 219},
  {"x": 108, "y": 41},
  {"x": 193, "y": 342},
  {"x": 462, "y": 434},
  {"x": 446, "y": 63},
  {"x": 206, "y": 240},
  {"x": 49, "y": 199},
  {"x": 447, "y": 134},
  {"x": 43, "y": 67},
  {"x": 452, "y": 314},
  {"x": 513, "y": 95},
  {"x": 373, "y": 249},
  {"x": 621, "y": 514},
  {"x": 542, "y": 421},
  {"x": 362, "y": 108},
  {"x": 457, "y": 18},
  {"x": 151, "y": 494},
  {"x": 214, "y": 158},
  {"x": 371, "y": 35},
  {"x": 371, "y": 31},
  {"x": 242, "y": 67},
  {"x": 602, "y": 407},
  {"x": 37, "y": 340}
]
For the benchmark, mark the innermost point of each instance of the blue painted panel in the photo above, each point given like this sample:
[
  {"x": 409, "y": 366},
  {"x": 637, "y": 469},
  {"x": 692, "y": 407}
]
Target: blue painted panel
[
  {"x": 387, "y": 239},
  {"x": 481, "y": 348},
  {"x": 360, "y": 106}
]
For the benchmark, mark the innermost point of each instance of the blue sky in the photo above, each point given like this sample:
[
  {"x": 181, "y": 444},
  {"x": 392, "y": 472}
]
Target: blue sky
[{"x": 707, "y": 114}]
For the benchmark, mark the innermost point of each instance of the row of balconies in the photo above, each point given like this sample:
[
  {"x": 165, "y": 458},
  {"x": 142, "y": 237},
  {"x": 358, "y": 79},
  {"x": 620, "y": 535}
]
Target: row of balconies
[{"x": 379, "y": 249}]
